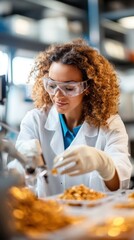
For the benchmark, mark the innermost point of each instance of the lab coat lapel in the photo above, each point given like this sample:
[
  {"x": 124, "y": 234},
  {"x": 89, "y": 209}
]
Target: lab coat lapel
[
  {"x": 86, "y": 135},
  {"x": 53, "y": 125}
]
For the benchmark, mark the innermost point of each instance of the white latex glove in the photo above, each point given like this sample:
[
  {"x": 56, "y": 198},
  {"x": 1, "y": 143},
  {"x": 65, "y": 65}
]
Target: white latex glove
[
  {"x": 32, "y": 150},
  {"x": 83, "y": 159},
  {"x": 29, "y": 148}
]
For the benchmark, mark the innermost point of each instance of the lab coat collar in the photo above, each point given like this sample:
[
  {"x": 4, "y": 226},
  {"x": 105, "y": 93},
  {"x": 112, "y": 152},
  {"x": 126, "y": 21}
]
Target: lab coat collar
[
  {"x": 53, "y": 125},
  {"x": 52, "y": 119},
  {"x": 89, "y": 130},
  {"x": 57, "y": 144}
]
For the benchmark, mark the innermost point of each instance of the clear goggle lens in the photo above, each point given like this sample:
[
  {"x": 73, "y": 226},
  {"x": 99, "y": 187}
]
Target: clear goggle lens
[{"x": 67, "y": 88}]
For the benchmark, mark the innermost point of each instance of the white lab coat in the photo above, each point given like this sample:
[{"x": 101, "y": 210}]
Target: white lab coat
[{"x": 45, "y": 126}]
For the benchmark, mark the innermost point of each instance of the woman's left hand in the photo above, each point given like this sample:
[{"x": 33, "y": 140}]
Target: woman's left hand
[{"x": 82, "y": 159}]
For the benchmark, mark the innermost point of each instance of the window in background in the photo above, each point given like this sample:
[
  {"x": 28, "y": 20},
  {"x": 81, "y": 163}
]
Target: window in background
[{"x": 21, "y": 69}]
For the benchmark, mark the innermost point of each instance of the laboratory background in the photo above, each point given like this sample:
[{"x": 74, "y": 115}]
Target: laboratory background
[{"x": 29, "y": 26}]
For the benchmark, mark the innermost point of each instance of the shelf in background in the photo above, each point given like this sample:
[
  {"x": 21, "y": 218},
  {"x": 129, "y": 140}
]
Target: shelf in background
[{"x": 21, "y": 42}]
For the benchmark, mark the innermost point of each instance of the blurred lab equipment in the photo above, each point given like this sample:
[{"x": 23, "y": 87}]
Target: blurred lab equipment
[
  {"x": 18, "y": 101},
  {"x": 12, "y": 178},
  {"x": 33, "y": 164},
  {"x": 6, "y": 181},
  {"x": 2, "y": 88}
]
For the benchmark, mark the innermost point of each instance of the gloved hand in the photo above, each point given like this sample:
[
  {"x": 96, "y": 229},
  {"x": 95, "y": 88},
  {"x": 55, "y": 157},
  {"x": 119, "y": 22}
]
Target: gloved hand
[
  {"x": 32, "y": 150},
  {"x": 83, "y": 159},
  {"x": 29, "y": 148}
]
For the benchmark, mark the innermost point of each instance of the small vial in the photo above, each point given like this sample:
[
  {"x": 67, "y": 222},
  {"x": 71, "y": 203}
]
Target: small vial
[{"x": 31, "y": 179}]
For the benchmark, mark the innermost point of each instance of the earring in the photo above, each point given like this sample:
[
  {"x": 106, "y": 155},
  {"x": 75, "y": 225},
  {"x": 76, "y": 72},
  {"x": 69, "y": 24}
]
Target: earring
[{"x": 86, "y": 93}]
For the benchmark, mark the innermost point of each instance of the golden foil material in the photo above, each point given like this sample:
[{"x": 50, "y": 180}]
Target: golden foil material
[
  {"x": 127, "y": 205},
  {"x": 34, "y": 216},
  {"x": 54, "y": 171},
  {"x": 131, "y": 195},
  {"x": 81, "y": 192},
  {"x": 119, "y": 228}
]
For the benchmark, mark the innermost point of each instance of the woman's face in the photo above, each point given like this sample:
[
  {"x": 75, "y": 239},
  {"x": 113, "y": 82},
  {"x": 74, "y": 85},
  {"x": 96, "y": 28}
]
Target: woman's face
[{"x": 68, "y": 105}]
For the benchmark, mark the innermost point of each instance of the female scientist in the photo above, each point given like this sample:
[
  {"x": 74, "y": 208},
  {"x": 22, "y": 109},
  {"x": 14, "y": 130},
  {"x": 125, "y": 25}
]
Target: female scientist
[{"x": 76, "y": 121}]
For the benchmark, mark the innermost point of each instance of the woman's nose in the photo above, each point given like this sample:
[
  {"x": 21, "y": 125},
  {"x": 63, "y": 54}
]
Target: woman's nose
[{"x": 59, "y": 92}]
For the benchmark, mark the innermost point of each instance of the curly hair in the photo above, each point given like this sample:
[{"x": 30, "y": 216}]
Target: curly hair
[{"x": 102, "y": 100}]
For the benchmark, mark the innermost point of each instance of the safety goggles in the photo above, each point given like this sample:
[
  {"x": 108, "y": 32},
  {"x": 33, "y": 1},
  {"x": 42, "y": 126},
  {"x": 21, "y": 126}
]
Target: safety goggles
[{"x": 70, "y": 89}]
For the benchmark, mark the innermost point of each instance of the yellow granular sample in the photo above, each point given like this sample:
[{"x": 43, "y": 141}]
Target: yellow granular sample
[
  {"x": 34, "y": 216},
  {"x": 119, "y": 228},
  {"x": 126, "y": 205},
  {"x": 54, "y": 171},
  {"x": 131, "y": 195},
  {"x": 81, "y": 192}
]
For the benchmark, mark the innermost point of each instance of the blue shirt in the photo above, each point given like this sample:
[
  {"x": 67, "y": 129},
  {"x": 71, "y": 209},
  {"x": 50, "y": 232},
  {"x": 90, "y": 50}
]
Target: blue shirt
[{"x": 68, "y": 136}]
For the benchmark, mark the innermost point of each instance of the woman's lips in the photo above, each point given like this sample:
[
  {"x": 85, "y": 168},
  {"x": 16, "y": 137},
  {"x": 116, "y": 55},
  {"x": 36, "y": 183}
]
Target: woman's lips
[{"x": 60, "y": 103}]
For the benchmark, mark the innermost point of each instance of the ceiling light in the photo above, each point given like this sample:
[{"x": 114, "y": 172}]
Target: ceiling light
[
  {"x": 114, "y": 49},
  {"x": 127, "y": 22}
]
